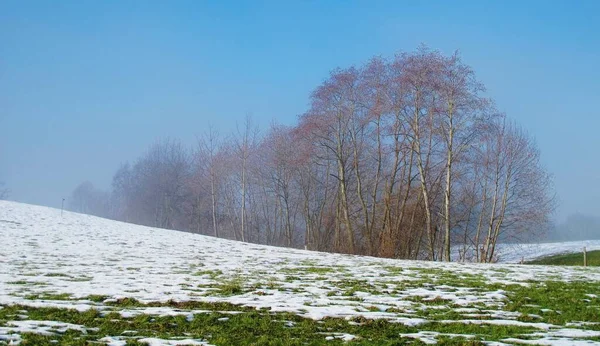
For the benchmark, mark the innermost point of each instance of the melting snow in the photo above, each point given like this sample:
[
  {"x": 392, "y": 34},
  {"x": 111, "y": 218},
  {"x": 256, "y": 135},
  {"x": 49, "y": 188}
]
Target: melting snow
[{"x": 83, "y": 255}]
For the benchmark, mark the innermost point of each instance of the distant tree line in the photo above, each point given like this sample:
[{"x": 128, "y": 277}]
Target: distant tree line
[{"x": 401, "y": 158}]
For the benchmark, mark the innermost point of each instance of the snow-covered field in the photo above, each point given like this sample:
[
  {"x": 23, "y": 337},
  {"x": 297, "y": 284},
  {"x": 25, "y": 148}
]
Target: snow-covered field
[{"x": 43, "y": 254}]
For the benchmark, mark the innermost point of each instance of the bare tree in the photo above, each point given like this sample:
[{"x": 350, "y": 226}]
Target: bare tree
[
  {"x": 419, "y": 76},
  {"x": 123, "y": 193},
  {"x": 521, "y": 200},
  {"x": 4, "y": 191},
  {"x": 462, "y": 110},
  {"x": 279, "y": 167},
  {"x": 86, "y": 199},
  {"x": 333, "y": 109},
  {"x": 316, "y": 185},
  {"x": 207, "y": 172},
  {"x": 245, "y": 144}
]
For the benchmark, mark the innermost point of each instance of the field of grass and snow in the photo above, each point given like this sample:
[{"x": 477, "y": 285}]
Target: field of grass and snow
[
  {"x": 78, "y": 280},
  {"x": 514, "y": 253}
]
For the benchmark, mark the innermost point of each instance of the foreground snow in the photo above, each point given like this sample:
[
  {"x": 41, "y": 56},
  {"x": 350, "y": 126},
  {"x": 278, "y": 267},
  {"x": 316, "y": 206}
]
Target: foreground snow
[{"x": 83, "y": 255}]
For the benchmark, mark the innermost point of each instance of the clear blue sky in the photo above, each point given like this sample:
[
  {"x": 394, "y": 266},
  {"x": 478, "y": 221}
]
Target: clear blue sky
[{"x": 87, "y": 85}]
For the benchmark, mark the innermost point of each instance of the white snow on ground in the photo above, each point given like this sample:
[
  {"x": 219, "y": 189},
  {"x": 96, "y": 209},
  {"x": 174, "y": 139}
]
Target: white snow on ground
[
  {"x": 345, "y": 337},
  {"x": 430, "y": 338},
  {"x": 41, "y": 327},
  {"x": 11, "y": 332},
  {"x": 42, "y": 252},
  {"x": 118, "y": 341},
  {"x": 161, "y": 342}
]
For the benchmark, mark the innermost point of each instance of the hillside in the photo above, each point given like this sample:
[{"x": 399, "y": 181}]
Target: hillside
[
  {"x": 513, "y": 253},
  {"x": 570, "y": 259},
  {"x": 77, "y": 279}
]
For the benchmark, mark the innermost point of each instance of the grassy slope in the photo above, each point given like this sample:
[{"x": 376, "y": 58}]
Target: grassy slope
[{"x": 572, "y": 259}]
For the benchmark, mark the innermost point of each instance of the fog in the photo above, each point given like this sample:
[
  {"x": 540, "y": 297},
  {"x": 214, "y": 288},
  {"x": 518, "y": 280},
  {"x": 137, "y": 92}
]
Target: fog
[{"x": 87, "y": 87}]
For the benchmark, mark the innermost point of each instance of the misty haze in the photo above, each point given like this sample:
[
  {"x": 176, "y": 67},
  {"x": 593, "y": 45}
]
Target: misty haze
[{"x": 293, "y": 173}]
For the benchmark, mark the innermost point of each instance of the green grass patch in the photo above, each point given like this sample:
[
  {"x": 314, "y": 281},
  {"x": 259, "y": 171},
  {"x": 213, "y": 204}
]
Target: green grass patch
[
  {"x": 213, "y": 274},
  {"x": 49, "y": 296},
  {"x": 27, "y": 283},
  {"x": 232, "y": 287},
  {"x": 571, "y": 259},
  {"x": 556, "y": 302},
  {"x": 251, "y": 327},
  {"x": 311, "y": 269},
  {"x": 97, "y": 298},
  {"x": 60, "y": 275}
]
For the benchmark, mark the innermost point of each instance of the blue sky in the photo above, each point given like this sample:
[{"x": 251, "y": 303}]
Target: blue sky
[{"x": 87, "y": 85}]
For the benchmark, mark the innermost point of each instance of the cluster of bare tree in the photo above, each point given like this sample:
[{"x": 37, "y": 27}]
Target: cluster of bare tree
[{"x": 402, "y": 158}]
